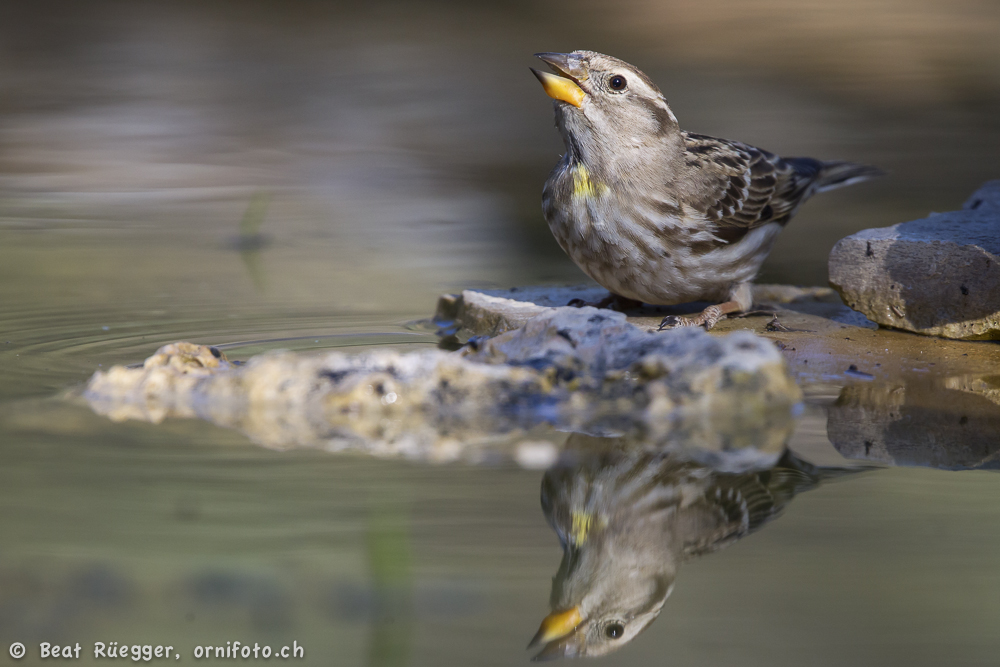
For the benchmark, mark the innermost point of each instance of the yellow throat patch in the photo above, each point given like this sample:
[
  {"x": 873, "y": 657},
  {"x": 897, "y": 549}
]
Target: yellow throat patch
[
  {"x": 583, "y": 185},
  {"x": 583, "y": 524}
]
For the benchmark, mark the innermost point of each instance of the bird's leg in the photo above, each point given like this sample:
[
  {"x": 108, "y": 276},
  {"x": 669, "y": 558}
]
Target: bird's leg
[
  {"x": 612, "y": 301},
  {"x": 706, "y": 318},
  {"x": 740, "y": 299}
]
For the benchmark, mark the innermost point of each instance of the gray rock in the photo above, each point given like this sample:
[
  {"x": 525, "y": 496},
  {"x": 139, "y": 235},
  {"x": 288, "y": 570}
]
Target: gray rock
[
  {"x": 986, "y": 198},
  {"x": 938, "y": 276},
  {"x": 585, "y": 370},
  {"x": 819, "y": 337},
  {"x": 491, "y": 312}
]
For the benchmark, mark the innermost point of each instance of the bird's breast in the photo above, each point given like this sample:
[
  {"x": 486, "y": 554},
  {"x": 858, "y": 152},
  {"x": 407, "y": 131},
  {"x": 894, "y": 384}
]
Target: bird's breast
[{"x": 645, "y": 246}]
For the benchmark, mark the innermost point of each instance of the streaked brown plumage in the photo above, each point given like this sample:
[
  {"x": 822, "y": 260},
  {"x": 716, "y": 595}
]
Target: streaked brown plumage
[{"x": 656, "y": 214}]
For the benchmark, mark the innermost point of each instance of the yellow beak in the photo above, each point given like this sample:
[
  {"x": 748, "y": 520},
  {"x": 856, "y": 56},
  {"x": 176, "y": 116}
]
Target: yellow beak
[
  {"x": 557, "y": 625},
  {"x": 560, "y": 88}
]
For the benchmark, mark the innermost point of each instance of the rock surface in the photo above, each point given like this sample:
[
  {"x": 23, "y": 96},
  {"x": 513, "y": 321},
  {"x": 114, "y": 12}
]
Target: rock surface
[
  {"x": 516, "y": 396},
  {"x": 937, "y": 276},
  {"x": 830, "y": 350},
  {"x": 820, "y": 338},
  {"x": 491, "y": 312},
  {"x": 986, "y": 198},
  {"x": 583, "y": 369}
]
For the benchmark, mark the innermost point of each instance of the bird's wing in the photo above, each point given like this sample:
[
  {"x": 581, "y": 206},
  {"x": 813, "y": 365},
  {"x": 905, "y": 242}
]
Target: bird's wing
[
  {"x": 736, "y": 505},
  {"x": 739, "y": 187}
]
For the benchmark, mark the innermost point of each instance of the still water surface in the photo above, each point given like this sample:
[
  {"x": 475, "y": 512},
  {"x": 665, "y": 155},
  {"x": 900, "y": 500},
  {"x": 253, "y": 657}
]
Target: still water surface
[{"x": 373, "y": 159}]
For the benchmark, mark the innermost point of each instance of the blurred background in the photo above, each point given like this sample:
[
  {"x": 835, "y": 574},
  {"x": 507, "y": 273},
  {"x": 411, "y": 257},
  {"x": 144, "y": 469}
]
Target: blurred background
[
  {"x": 307, "y": 175},
  {"x": 401, "y": 147}
]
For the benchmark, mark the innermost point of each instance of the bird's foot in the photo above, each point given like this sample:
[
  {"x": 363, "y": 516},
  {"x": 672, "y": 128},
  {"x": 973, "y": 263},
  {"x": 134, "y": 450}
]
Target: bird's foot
[
  {"x": 706, "y": 318},
  {"x": 611, "y": 302}
]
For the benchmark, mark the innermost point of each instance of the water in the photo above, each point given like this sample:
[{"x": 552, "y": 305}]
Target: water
[{"x": 386, "y": 155}]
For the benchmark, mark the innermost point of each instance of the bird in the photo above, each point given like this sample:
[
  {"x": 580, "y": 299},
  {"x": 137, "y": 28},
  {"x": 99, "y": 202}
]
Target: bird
[
  {"x": 627, "y": 516},
  {"x": 659, "y": 215}
]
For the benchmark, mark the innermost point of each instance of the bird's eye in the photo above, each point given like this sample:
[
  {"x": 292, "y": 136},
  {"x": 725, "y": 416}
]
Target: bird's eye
[
  {"x": 617, "y": 82},
  {"x": 614, "y": 630}
]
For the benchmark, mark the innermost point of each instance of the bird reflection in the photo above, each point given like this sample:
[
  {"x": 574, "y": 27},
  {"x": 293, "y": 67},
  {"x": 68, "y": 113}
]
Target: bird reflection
[{"x": 627, "y": 516}]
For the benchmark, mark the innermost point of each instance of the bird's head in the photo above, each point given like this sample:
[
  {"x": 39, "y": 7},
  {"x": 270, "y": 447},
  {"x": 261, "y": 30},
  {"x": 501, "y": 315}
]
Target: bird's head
[
  {"x": 606, "y": 109},
  {"x": 611, "y": 611},
  {"x": 613, "y": 518}
]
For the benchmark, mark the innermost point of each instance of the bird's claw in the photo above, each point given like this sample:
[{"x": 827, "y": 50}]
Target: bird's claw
[
  {"x": 707, "y": 318},
  {"x": 672, "y": 322},
  {"x": 677, "y": 322}
]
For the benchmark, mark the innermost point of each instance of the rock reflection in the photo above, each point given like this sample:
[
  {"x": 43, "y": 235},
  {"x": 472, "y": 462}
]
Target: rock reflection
[
  {"x": 628, "y": 515},
  {"x": 952, "y": 423}
]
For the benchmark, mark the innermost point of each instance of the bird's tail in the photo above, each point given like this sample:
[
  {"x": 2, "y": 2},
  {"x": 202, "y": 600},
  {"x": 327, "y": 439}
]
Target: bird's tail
[{"x": 834, "y": 174}]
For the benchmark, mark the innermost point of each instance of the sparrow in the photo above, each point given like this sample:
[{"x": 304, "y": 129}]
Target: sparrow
[
  {"x": 656, "y": 214},
  {"x": 628, "y": 517}
]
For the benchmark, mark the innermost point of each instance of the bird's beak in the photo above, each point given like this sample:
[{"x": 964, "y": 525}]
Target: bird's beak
[
  {"x": 557, "y": 625},
  {"x": 567, "y": 647},
  {"x": 564, "y": 84}
]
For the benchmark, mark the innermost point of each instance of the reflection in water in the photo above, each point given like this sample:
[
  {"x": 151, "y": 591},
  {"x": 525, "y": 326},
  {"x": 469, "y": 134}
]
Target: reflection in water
[
  {"x": 251, "y": 241},
  {"x": 627, "y": 516},
  {"x": 952, "y": 424},
  {"x": 388, "y": 551}
]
